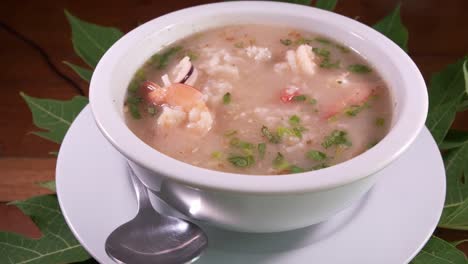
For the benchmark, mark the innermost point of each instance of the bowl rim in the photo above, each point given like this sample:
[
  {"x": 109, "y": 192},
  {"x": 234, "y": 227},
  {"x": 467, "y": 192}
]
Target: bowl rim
[{"x": 398, "y": 139}]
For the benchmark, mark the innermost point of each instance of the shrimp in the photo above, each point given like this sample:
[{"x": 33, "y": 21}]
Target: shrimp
[
  {"x": 180, "y": 103},
  {"x": 356, "y": 94}
]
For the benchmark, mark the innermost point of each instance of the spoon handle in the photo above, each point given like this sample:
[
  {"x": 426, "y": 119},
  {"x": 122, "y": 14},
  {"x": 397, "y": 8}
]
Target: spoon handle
[{"x": 141, "y": 191}]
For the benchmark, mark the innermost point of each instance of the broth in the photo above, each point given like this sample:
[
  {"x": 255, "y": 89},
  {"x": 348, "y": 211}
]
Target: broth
[{"x": 258, "y": 99}]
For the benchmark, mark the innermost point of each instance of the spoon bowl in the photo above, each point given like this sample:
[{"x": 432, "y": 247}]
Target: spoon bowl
[{"x": 154, "y": 238}]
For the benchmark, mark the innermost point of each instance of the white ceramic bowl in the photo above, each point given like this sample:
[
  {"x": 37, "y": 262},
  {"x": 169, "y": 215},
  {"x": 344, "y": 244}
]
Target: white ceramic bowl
[{"x": 257, "y": 203}]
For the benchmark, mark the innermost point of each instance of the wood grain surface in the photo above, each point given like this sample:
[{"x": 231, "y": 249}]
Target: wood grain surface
[{"x": 438, "y": 36}]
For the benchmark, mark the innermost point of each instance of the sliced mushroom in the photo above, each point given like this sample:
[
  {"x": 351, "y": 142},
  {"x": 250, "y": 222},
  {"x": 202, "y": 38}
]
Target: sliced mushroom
[{"x": 184, "y": 72}]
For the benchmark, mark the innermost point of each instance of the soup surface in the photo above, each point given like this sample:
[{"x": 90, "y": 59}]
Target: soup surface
[{"x": 258, "y": 99}]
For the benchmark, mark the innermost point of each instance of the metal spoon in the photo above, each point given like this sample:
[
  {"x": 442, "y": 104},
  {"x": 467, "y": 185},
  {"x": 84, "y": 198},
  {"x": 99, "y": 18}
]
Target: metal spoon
[{"x": 154, "y": 238}]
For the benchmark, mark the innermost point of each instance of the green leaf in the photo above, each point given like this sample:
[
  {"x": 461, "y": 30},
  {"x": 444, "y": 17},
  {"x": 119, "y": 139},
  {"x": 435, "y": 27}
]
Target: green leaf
[
  {"x": 459, "y": 242},
  {"x": 438, "y": 251},
  {"x": 454, "y": 139},
  {"x": 48, "y": 185},
  {"x": 57, "y": 244},
  {"x": 392, "y": 27},
  {"x": 445, "y": 93},
  {"x": 55, "y": 116},
  {"x": 84, "y": 73},
  {"x": 463, "y": 106},
  {"x": 457, "y": 190},
  {"x": 326, "y": 4},
  {"x": 91, "y": 41},
  {"x": 465, "y": 74}
]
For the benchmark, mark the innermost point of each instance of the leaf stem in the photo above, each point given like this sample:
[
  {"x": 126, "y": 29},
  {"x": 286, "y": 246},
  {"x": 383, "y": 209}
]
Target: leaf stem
[{"x": 43, "y": 54}]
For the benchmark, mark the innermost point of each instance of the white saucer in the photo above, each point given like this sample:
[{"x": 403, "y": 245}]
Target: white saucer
[{"x": 388, "y": 226}]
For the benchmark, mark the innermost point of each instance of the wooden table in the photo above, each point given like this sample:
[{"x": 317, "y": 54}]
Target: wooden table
[{"x": 438, "y": 36}]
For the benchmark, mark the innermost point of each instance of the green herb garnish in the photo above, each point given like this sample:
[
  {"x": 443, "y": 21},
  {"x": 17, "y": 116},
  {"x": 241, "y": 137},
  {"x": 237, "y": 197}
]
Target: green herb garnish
[
  {"x": 312, "y": 101},
  {"x": 336, "y": 138},
  {"x": 286, "y": 42},
  {"x": 324, "y": 53},
  {"x": 227, "y": 98},
  {"x": 161, "y": 60},
  {"x": 380, "y": 121},
  {"x": 152, "y": 110},
  {"x": 299, "y": 98},
  {"x": 236, "y": 142},
  {"x": 328, "y": 65},
  {"x": 296, "y": 169},
  {"x": 131, "y": 99},
  {"x": 239, "y": 45},
  {"x": 356, "y": 109},
  {"x": 134, "y": 111},
  {"x": 323, "y": 40},
  {"x": 273, "y": 138},
  {"x": 359, "y": 68},
  {"x": 230, "y": 133},
  {"x": 297, "y": 131},
  {"x": 242, "y": 161},
  {"x": 303, "y": 41},
  {"x": 316, "y": 155},
  {"x": 261, "y": 147},
  {"x": 284, "y": 131},
  {"x": 279, "y": 162},
  {"x": 320, "y": 166},
  {"x": 294, "y": 120},
  {"x": 342, "y": 48},
  {"x": 217, "y": 155}
]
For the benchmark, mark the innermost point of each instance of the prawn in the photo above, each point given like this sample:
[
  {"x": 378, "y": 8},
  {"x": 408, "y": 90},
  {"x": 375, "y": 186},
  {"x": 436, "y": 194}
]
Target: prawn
[
  {"x": 180, "y": 102},
  {"x": 357, "y": 94}
]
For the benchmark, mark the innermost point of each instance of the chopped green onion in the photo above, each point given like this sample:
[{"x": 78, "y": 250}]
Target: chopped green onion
[
  {"x": 297, "y": 131},
  {"x": 294, "y": 120},
  {"x": 217, "y": 155},
  {"x": 322, "y": 40},
  {"x": 296, "y": 169},
  {"x": 134, "y": 100},
  {"x": 236, "y": 142},
  {"x": 134, "y": 111},
  {"x": 279, "y": 162},
  {"x": 242, "y": 161},
  {"x": 230, "y": 133},
  {"x": 312, "y": 101},
  {"x": 284, "y": 131},
  {"x": 380, "y": 121},
  {"x": 275, "y": 139},
  {"x": 356, "y": 109},
  {"x": 286, "y": 42},
  {"x": 261, "y": 150},
  {"x": 320, "y": 166},
  {"x": 152, "y": 110},
  {"x": 227, "y": 98},
  {"x": 328, "y": 65},
  {"x": 161, "y": 60},
  {"x": 337, "y": 137},
  {"x": 359, "y": 68},
  {"x": 239, "y": 45},
  {"x": 303, "y": 41},
  {"x": 299, "y": 98},
  {"x": 316, "y": 155},
  {"x": 342, "y": 48},
  {"x": 321, "y": 52}
]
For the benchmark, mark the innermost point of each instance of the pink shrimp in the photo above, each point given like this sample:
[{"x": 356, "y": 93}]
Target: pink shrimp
[
  {"x": 356, "y": 94},
  {"x": 183, "y": 97}
]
